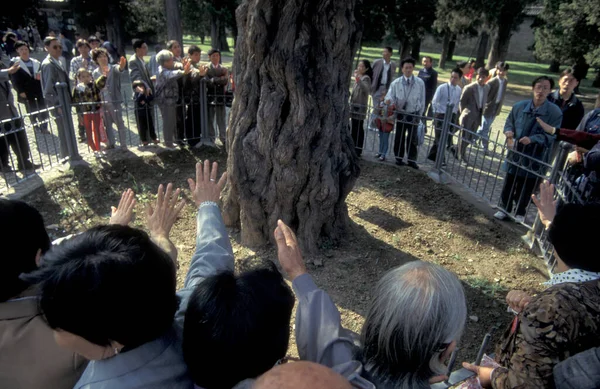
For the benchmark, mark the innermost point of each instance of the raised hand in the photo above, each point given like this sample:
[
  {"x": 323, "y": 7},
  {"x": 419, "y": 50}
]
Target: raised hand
[
  {"x": 122, "y": 63},
  {"x": 517, "y": 300},
  {"x": 288, "y": 251},
  {"x": 13, "y": 69},
  {"x": 161, "y": 217},
  {"x": 545, "y": 126},
  {"x": 187, "y": 67},
  {"x": 545, "y": 203},
  {"x": 123, "y": 213},
  {"x": 206, "y": 187}
]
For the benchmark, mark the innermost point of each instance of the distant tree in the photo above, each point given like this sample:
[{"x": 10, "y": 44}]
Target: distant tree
[
  {"x": 410, "y": 20},
  {"x": 568, "y": 32},
  {"x": 146, "y": 19},
  {"x": 173, "y": 15},
  {"x": 23, "y": 13},
  {"x": 109, "y": 15},
  {"x": 195, "y": 17}
]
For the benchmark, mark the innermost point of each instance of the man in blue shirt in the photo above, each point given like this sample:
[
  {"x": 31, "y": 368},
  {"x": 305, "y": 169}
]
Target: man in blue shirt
[{"x": 528, "y": 145}]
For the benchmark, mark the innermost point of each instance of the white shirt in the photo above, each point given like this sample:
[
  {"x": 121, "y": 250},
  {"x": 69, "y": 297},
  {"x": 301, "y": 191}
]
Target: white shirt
[
  {"x": 410, "y": 96},
  {"x": 480, "y": 90},
  {"x": 384, "y": 74},
  {"x": 500, "y": 90},
  {"x": 446, "y": 94}
]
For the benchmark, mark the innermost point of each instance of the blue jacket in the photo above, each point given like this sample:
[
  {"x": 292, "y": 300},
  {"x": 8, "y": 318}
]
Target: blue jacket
[{"x": 522, "y": 122}]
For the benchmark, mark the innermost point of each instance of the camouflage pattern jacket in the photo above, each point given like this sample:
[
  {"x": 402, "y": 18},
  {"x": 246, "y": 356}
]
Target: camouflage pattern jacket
[{"x": 558, "y": 323}]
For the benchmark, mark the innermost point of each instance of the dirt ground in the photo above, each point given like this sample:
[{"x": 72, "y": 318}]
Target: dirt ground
[{"x": 397, "y": 215}]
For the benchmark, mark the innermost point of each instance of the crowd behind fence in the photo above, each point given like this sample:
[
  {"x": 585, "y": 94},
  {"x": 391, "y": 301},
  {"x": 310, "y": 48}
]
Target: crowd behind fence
[{"x": 449, "y": 151}]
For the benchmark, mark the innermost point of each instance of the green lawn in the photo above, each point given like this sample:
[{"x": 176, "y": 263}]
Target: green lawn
[{"x": 520, "y": 76}]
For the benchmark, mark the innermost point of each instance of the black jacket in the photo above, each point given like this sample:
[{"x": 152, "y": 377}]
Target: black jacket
[
  {"x": 23, "y": 82},
  {"x": 572, "y": 110}
]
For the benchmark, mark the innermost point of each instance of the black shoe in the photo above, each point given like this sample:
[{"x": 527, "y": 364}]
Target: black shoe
[
  {"x": 400, "y": 162},
  {"x": 29, "y": 166},
  {"x": 413, "y": 165}
]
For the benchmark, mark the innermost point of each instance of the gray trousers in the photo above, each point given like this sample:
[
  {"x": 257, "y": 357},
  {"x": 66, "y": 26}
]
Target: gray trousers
[
  {"x": 113, "y": 114},
  {"x": 219, "y": 110},
  {"x": 62, "y": 134},
  {"x": 169, "y": 117}
]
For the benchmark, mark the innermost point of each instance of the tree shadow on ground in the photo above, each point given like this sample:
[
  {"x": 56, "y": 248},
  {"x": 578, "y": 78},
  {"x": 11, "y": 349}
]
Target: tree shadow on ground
[{"x": 405, "y": 185}]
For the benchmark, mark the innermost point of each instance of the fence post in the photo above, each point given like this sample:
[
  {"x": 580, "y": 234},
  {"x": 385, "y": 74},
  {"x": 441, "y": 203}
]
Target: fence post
[
  {"x": 436, "y": 174},
  {"x": 68, "y": 128},
  {"x": 204, "y": 136},
  {"x": 559, "y": 163}
]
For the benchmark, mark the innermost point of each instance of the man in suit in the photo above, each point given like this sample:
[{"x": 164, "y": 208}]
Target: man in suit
[
  {"x": 53, "y": 71},
  {"x": 472, "y": 102},
  {"x": 495, "y": 99},
  {"x": 16, "y": 140},
  {"x": 430, "y": 78},
  {"x": 384, "y": 72},
  {"x": 26, "y": 82},
  {"x": 217, "y": 77},
  {"x": 138, "y": 72}
]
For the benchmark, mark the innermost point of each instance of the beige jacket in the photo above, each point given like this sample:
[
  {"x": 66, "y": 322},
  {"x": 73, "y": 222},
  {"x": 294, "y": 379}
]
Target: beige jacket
[{"x": 29, "y": 356}]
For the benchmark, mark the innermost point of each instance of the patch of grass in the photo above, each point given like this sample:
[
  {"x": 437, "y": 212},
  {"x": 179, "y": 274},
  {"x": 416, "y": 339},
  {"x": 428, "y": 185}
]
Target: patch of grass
[{"x": 487, "y": 287}]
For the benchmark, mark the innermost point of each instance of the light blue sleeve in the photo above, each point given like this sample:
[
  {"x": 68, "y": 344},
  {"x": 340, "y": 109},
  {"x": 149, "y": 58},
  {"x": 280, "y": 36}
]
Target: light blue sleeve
[
  {"x": 543, "y": 138},
  {"x": 510, "y": 123},
  {"x": 213, "y": 252}
]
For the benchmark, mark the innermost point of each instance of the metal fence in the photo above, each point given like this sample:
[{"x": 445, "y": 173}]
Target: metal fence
[{"x": 502, "y": 173}]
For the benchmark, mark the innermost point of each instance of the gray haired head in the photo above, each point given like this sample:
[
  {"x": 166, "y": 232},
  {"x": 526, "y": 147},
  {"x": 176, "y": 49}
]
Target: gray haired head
[
  {"x": 417, "y": 310},
  {"x": 163, "y": 56}
]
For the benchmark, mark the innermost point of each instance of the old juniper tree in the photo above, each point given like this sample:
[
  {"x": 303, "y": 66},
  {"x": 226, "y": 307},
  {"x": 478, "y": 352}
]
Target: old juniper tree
[{"x": 290, "y": 153}]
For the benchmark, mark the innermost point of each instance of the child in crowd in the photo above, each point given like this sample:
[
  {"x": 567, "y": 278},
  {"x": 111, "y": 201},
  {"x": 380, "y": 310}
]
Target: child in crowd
[
  {"x": 143, "y": 113},
  {"x": 384, "y": 122},
  {"x": 111, "y": 96},
  {"x": 88, "y": 91}
]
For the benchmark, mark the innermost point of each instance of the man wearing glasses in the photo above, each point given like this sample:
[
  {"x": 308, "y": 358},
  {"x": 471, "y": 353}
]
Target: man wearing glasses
[{"x": 53, "y": 71}]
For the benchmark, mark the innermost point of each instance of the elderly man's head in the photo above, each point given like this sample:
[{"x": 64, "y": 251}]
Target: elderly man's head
[
  {"x": 301, "y": 375},
  {"x": 417, "y": 314},
  {"x": 165, "y": 59}
]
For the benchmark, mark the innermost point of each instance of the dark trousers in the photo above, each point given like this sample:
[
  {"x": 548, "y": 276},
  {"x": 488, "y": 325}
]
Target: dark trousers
[
  {"x": 181, "y": 124},
  {"x": 406, "y": 137},
  {"x": 34, "y": 105},
  {"x": 17, "y": 141},
  {"x": 193, "y": 131},
  {"x": 358, "y": 135},
  {"x": 517, "y": 189},
  {"x": 439, "y": 120},
  {"x": 145, "y": 123}
]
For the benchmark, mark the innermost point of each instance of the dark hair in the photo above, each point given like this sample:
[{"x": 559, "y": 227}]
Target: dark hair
[
  {"x": 369, "y": 71},
  {"x": 246, "y": 316},
  {"x": 408, "y": 60},
  {"x": 137, "y": 43},
  {"x": 472, "y": 61},
  {"x": 110, "y": 283},
  {"x": 137, "y": 83},
  {"x": 502, "y": 65},
  {"x": 20, "y": 44},
  {"x": 388, "y": 48},
  {"x": 171, "y": 43},
  {"x": 9, "y": 35},
  {"x": 82, "y": 42},
  {"x": 212, "y": 51},
  {"x": 97, "y": 52},
  {"x": 157, "y": 48},
  {"x": 49, "y": 39},
  {"x": 483, "y": 72},
  {"x": 22, "y": 234},
  {"x": 539, "y": 79},
  {"x": 461, "y": 64},
  {"x": 572, "y": 234},
  {"x": 457, "y": 71},
  {"x": 93, "y": 38},
  {"x": 193, "y": 49},
  {"x": 429, "y": 58},
  {"x": 565, "y": 72}
]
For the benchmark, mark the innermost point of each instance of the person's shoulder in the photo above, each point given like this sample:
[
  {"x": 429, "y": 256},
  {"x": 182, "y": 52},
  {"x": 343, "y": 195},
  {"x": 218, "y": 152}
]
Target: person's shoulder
[
  {"x": 561, "y": 301},
  {"x": 419, "y": 81},
  {"x": 553, "y": 108}
]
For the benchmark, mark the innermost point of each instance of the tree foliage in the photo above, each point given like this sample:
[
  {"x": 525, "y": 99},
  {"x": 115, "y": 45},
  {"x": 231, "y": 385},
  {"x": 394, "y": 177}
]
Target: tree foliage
[
  {"x": 566, "y": 31},
  {"x": 26, "y": 12}
]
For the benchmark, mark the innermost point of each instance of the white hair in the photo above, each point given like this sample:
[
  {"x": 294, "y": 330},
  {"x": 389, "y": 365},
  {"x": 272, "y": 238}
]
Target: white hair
[
  {"x": 163, "y": 56},
  {"x": 417, "y": 310}
]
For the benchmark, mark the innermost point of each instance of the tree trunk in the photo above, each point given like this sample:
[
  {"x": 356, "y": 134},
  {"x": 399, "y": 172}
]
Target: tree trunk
[
  {"x": 451, "y": 48},
  {"x": 554, "y": 66},
  {"x": 215, "y": 30},
  {"x": 482, "y": 45},
  {"x": 404, "y": 48},
  {"x": 290, "y": 152},
  {"x": 444, "y": 54},
  {"x": 223, "y": 44},
  {"x": 596, "y": 83},
  {"x": 202, "y": 38},
  {"x": 114, "y": 28},
  {"x": 500, "y": 43},
  {"x": 173, "y": 14},
  {"x": 416, "y": 49}
]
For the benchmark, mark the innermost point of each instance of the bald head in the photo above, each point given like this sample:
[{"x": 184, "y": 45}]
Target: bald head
[{"x": 301, "y": 375}]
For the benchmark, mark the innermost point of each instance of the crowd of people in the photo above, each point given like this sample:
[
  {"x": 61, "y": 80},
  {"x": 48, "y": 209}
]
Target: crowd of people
[
  {"x": 100, "y": 309},
  {"x": 476, "y": 98},
  {"x": 168, "y": 81}
]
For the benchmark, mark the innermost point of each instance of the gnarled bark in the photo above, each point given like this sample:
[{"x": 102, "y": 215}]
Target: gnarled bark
[
  {"x": 482, "y": 44},
  {"x": 290, "y": 153},
  {"x": 173, "y": 13}
]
